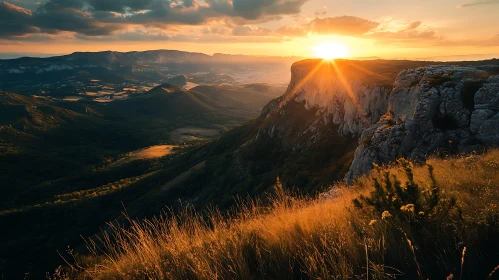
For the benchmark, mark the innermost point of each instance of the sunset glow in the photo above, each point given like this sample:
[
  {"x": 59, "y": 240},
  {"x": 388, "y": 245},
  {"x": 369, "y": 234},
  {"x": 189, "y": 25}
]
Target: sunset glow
[
  {"x": 329, "y": 50},
  {"x": 449, "y": 30}
]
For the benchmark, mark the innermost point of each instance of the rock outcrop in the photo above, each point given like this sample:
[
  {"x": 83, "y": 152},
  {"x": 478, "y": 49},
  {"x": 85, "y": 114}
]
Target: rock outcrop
[
  {"x": 347, "y": 94},
  {"x": 341, "y": 117},
  {"x": 434, "y": 109},
  {"x": 352, "y": 103}
]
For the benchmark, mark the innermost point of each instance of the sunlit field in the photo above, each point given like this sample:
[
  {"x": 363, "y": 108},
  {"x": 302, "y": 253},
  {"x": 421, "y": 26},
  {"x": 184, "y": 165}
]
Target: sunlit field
[
  {"x": 153, "y": 152},
  {"x": 433, "y": 220}
]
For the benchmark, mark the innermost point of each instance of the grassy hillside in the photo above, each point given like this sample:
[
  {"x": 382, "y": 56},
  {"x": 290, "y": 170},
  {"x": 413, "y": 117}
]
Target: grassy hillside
[
  {"x": 427, "y": 221},
  {"x": 251, "y": 96},
  {"x": 167, "y": 101}
]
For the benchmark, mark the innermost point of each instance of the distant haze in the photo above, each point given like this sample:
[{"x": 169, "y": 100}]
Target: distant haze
[
  {"x": 18, "y": 55},
  {"x": 468, "y": 57}
]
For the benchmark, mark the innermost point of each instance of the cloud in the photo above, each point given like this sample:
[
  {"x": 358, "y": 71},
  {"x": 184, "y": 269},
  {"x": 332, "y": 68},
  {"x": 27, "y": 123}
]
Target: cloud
[
  {"x": 120, "y": 5},
  {"x": 221, "y": 30},
  {"x": 411, "y": 33},
  {"x": 283, "y": 31},
  {"x": 15, "y": 21},
  {"x": 208, "y": 21},
  {"x": 54, "y": 17},
  {"x": 414, "y": 25},
  {"x": 248, "y": 31},
  {"x": 345, "y": 25},
  {"x": 253, "y": 9},
  {"x": 467, "y": 5},
  {"x": 99, "y": 17},
  {"x": 292, "y": 31}
]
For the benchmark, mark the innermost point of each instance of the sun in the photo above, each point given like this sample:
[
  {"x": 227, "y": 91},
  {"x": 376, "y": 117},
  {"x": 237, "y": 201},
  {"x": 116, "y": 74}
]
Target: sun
[{"x": 330, "y": 50}]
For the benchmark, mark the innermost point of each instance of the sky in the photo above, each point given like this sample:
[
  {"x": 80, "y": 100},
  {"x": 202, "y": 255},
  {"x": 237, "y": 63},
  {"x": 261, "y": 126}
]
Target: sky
[{"x": 409, "y": 29}]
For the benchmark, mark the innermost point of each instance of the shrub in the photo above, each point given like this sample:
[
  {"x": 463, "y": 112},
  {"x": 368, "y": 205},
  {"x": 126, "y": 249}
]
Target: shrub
[{"x": 440, "y": 79}]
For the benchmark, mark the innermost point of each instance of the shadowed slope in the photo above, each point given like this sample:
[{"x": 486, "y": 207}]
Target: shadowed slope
[{"x": 167, "y": 100}]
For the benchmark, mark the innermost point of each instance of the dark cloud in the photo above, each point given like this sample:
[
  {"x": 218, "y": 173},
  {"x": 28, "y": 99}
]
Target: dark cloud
[
  {"x": 345, "y": 25},
  {"x": 15, "y": 21},
  {"x": 68, "y": 15},
  {"x": 130, "y": 20},
  {"x": 104, "y": 17},
  {"x": 254, "y": 9},
  {"x": 121, "y": 5},
  {"x": 27, "y": 4},
  {"x": 467, "y": 5}
]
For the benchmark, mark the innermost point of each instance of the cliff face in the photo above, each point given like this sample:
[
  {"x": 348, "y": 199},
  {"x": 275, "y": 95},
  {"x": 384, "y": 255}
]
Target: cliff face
[
  {"x": 413, "y": 113},
  {"x": 345, "y": 94},
  {"x": 436, "y": 109},
  {"x": 333, "y": 114},
  {"x": 352, "y": 103}
]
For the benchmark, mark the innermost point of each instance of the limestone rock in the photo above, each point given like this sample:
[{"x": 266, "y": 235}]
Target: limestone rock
[{"x": 434, "y": 109}]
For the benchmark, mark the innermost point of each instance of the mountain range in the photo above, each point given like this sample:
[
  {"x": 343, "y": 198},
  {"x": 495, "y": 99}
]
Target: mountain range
[{"x": 62, "y": 75}]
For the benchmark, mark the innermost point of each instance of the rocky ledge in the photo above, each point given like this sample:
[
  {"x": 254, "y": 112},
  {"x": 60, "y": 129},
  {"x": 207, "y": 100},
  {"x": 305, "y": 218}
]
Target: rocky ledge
[{"x": 434, "y": 109}]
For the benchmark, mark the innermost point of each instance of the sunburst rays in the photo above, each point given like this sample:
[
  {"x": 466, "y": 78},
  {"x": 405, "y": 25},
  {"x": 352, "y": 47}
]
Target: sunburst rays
[{"x": 332, "y": 69}]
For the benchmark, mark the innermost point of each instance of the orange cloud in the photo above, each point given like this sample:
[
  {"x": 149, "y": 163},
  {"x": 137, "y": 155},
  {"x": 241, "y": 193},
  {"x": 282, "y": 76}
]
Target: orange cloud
[{"x": 466, "y": 5}]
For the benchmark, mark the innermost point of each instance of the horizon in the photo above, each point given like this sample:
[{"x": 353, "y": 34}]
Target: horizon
[
  {"x": 387, "y": 29},
  {"x": 450, "y": 58}
]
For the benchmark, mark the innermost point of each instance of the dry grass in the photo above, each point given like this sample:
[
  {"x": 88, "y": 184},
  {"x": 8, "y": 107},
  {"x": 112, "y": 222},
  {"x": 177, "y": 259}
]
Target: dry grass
[{"x": 325, "y": 238}]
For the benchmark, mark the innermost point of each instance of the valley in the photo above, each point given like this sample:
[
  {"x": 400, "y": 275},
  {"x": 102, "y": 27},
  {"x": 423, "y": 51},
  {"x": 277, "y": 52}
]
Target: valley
[{"x": 77, "y": 155}]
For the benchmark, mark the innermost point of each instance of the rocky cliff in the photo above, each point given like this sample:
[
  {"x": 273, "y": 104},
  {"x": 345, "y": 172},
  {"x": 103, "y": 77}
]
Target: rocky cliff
[
  {"x": 395, "y": 109},
  {"x": 352, "y": 103},
  {"x": 310, "y": 136},
  {"x": 348, "y": 94},
  {"x": 435, "y": 109}
]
